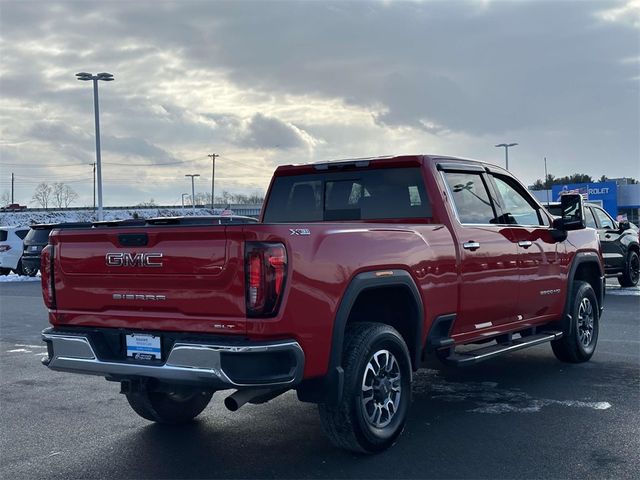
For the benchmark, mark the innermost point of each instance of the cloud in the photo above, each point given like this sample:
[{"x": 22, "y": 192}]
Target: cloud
[
  {"x": 271, "y": 133},
  {"x": 266, "y": 83}
]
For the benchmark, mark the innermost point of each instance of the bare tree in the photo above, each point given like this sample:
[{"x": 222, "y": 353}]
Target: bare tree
[
  {"x": 202, "y": 198},
  {"x": 150, "y": 203},
  {"x": 238, "y": 198},
  {"x": 63, "y": 195},
  {"x": 42, "y": 194}
]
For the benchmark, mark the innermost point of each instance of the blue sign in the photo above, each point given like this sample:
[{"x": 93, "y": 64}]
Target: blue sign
[{"x": 603, "y": 193}]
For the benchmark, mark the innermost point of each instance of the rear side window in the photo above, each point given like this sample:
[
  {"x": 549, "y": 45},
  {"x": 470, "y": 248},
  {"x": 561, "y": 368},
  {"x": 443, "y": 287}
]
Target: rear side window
[
  {"x": 470, "y": 197},
  {"x": 375, "y": 194},
  {"x": 21, "y": 234},
  {"x": 3, "y": 235}
]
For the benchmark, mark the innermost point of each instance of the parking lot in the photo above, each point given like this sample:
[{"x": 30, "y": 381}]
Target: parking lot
[{"x": 524, "y": 415}]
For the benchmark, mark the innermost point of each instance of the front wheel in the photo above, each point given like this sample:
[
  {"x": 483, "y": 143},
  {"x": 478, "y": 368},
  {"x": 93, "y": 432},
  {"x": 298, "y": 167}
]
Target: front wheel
[
  {"x": 375, "y": 401},
  {"x": 171, "y": 407},
  {"x": 631, "y": 274},
  {"x": 580, "y": 330}
]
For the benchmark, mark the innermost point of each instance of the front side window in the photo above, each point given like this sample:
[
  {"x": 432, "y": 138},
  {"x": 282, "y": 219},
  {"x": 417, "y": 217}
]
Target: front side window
[
  {"x": 603, "y": 219},
  {"x": 516, "y": 208},
  {"x": 470, "y": 197}
]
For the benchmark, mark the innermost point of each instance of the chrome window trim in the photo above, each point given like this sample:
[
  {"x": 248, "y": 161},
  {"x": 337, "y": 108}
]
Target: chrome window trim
[{"x": 455, "y": 208}]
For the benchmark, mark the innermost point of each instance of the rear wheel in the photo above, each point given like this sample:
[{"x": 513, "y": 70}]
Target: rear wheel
[
  {"x": 29, "y": 271},
  {"x": 171, "y": 407},
  {"x": 19, "y": 268},
  {"x": 372, "y": 412},
  {"x": 5, "y": 271},
  {"x": 631, "y": 274},
  {"x": 580, "y": 330}
]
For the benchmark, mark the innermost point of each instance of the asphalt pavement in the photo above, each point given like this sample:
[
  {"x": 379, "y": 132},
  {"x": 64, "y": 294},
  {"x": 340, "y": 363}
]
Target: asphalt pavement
[{"x": 522, "y": 415}]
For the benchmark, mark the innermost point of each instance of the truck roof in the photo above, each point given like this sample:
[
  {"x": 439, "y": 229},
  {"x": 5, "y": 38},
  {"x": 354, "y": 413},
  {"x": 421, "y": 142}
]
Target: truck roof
[{"x": 379, "y": 162}]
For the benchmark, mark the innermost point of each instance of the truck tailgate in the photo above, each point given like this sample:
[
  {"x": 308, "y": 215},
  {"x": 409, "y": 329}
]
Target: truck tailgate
[{"x": 158, "y": 278}]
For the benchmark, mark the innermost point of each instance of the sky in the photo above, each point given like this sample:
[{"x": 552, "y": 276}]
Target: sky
[{"x": 268, "y": 83}]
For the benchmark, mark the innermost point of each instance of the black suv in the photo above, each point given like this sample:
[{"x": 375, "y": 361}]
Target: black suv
[
  {"x": 34, "y": 242},
  {"x": 619, "y": 242}
]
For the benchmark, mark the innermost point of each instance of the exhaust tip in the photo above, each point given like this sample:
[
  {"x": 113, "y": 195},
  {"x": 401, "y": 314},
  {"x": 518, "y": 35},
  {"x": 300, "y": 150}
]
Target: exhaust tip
[{"x": 231, "y": 403}]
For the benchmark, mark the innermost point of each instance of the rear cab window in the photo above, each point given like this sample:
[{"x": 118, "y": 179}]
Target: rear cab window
[
  {"x": 373, "y": 194},
  {"x": 3, "y": 235}
]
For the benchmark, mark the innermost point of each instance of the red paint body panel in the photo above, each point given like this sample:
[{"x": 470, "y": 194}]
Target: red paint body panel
[{"x": 203, "y": 278}]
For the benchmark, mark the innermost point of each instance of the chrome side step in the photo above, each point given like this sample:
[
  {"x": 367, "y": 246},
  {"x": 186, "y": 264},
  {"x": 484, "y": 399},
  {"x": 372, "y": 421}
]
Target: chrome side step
[{"x": 472, "y": 357}]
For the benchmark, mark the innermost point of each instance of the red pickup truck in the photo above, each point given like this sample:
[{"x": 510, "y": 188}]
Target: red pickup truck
[{"x": 358, "y": 273}]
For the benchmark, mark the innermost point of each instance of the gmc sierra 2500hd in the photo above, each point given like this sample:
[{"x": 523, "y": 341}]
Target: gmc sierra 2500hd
[{"x": 359, "y": 272}]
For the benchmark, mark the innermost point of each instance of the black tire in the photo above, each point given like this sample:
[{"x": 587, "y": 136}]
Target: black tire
[
  {"x": 631, "y": 273},
  {"x": 173, "y": 408},
  {"x": 29, "y": 271},
  {"x": 5, "y": 271},
  {"x": 580, "y": 332},
  {"x": 351, "y": 423},
  {"x": 19, "y": 270}
]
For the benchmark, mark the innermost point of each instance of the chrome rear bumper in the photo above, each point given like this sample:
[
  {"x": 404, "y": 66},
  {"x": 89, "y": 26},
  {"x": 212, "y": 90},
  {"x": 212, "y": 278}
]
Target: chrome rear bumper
[{"x": 211, "y": 365}]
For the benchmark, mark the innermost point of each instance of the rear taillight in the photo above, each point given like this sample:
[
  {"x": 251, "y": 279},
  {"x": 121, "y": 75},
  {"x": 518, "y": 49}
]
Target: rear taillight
[
  {"x": 46, "y": 272},
  {"x": 265, "y": 276},
  {"x": 5, "y": 248}
]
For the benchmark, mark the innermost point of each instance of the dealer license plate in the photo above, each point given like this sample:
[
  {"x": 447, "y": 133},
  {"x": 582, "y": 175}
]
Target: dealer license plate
[{"x": 143, "y": 346}]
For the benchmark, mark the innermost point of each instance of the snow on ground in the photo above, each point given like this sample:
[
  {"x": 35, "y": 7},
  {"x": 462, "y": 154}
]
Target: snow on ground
[
  {"x": 614, "y": 288},
  {"x": 489, "y": 397},
  {"x": 27, "y": 218},
  {"x": 12, "y": 277}
]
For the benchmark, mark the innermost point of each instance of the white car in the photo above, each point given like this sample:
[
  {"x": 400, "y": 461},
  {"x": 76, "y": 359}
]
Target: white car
[{"x": 11, "y": 249}]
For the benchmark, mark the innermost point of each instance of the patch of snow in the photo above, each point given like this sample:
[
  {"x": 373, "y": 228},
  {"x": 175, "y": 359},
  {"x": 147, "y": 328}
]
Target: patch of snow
[
  {"x": 15, "y": 350},
  {"x": 487, "y": 397},
  {"x": 628, "y": 291},
  {"x": 537, "y": 405},
  {"x": 12, "y": 277},
  {"x": 30, "y": 346},
  {"x": 28, "y": 217}
]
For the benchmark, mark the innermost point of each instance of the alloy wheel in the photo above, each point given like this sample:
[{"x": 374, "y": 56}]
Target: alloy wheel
[{"x": 381, "y": 388}]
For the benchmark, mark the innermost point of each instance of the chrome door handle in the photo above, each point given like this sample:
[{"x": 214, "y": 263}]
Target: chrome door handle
[
  {"x": 525, "y": 243},
  {"x": 471, "y": 245}
]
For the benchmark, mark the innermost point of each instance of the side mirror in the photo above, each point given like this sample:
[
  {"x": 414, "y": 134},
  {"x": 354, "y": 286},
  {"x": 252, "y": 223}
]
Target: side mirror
[{"x": 572, "y": 213}]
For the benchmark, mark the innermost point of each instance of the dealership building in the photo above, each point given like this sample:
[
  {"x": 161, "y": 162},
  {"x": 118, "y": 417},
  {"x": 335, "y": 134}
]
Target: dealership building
[{"x": 617, "y": 196}]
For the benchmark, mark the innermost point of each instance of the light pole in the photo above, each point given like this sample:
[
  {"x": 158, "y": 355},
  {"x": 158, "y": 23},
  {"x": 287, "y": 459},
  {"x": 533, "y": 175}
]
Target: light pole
[
  {"x": 94, "y": 186},
  {"x": 506, "y": 151},
  {"x": 107, "y": 77},
  {"x": 193, "y": 190},
  {"x": 213, "y": 175},
  {"x": 183, "y": 195}
]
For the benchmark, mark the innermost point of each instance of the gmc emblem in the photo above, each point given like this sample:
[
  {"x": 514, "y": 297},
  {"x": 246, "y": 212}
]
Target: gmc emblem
[{"x": 133, "y": 259}]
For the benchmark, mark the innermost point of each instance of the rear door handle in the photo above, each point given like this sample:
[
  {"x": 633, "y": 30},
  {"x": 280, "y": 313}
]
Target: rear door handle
[
  {"x": 525, "y": 243},
  {"x": 471, "y": 245}
]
